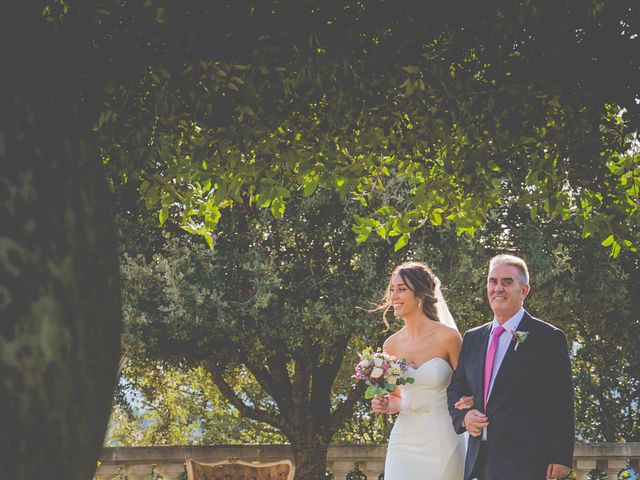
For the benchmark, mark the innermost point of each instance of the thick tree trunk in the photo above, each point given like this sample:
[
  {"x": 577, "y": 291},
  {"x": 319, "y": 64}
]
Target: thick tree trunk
[
  {"x": 310, "y": 456},
  {"x": 59, "y": 287}
]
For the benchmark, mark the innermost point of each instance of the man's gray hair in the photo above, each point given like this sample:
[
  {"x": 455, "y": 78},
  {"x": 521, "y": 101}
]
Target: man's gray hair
[{"x": 520, "y": 264}]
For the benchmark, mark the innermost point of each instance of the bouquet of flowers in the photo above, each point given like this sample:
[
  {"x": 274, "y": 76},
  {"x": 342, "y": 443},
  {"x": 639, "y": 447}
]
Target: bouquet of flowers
[{"x": 381, "y": 372}]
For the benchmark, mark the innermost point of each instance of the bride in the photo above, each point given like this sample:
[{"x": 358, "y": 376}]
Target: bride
[{"x": 422, "y": 444}]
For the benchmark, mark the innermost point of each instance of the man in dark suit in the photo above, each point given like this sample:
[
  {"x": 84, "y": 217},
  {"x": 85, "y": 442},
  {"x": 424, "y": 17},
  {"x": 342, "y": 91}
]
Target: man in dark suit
[{"x": 517, "y": 370}]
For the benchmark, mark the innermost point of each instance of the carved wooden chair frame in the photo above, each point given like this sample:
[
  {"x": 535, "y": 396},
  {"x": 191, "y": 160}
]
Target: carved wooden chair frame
[{"x": 235, "y": 461}]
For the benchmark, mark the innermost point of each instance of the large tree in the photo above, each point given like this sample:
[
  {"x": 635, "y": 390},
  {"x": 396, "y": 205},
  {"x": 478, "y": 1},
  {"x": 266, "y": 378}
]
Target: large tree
[
  {"x": 59, "y": 284},
  {"x": 281, "y": 298}
]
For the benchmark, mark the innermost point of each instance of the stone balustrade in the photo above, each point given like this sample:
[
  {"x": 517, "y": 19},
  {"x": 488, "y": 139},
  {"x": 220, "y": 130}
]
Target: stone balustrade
[{"x": 136, "y": 462}]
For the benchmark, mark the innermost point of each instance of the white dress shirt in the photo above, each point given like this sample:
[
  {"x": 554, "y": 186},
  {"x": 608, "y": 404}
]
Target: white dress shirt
[{"x": 510, "y": 326}]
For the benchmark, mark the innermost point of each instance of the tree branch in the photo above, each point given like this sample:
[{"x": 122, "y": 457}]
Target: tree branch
[
  {"x": 245, "y": 410},
  {"x": 323, "y": 377},
  {"x": 302, "y": 377},
  {"x": 273, "y": 381},
  {"x": 345, "y": 409},
  {"x": 278, "y": 368}
]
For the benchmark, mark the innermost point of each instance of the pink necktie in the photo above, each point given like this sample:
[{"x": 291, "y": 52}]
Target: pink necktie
[{"x": 488, "y": 361}]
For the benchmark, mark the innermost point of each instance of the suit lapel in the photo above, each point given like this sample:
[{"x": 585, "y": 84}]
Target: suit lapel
[{"x": 512, "y": 353}]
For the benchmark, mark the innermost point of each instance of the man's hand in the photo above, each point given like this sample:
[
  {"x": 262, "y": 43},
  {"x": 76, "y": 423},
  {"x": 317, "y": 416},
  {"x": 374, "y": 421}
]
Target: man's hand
[
  {"x": 475, "y": 421},
  {"x": 464, "y": 403},
  {"x": 557, "y": 471}
]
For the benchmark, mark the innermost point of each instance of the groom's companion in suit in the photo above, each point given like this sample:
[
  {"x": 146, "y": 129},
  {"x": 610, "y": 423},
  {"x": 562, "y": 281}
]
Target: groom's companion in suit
[{"x": 517, "y": 369}]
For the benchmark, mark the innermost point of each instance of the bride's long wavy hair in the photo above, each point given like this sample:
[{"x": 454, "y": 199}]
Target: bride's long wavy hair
[{"x": 421, "y": 281}]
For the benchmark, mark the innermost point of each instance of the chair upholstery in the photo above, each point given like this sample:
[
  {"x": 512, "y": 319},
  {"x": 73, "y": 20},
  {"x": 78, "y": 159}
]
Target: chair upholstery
[{"x": 238, "y": 470}]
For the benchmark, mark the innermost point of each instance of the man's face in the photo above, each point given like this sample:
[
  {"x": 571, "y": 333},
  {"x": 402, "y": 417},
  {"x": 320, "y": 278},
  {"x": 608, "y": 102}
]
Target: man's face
[{"x": 505, "y": 291}]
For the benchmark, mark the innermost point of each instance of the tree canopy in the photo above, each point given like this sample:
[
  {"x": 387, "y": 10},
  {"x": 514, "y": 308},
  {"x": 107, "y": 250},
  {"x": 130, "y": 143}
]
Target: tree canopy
[{"x": 450, "y": 109}]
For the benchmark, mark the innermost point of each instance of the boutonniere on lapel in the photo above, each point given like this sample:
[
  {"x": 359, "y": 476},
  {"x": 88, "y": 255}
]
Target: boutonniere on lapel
[{"x": 520, "y": 337}]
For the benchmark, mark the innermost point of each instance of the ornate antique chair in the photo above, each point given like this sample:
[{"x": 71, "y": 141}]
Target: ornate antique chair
[{"x": 233, "y": 469}]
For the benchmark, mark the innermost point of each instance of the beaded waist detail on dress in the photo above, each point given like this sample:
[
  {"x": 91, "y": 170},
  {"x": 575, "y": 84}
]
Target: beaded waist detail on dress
[{"x": 422, "y": 409}]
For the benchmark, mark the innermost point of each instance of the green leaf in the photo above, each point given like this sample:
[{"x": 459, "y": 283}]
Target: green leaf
[
  {"x": 189, "y": 228},
  {"x": 369, "y": 393},
  {"x": 436, "y": 217},
  {"x": 161, "y": 15},
  {"x": 209, "y": 239},
  {"x": 164, "y": 214},
  {"x": 283, "y": 192},
  {"x": 277, "y": 208},
  {"x": 402, "y": 241},
  {"x": 608, "y": 241},
  {"x": 362, "y": 237},
  {"x": 310, "y": 186},
  {"x": 212, "y": 217},
  {"x": 263, "y": 199},
  {"x": 411, "y": 69},
  {"x": 468, "y": 230},
  {"x": 615, "y": 249},
  {"x": 382, "y": 231}
]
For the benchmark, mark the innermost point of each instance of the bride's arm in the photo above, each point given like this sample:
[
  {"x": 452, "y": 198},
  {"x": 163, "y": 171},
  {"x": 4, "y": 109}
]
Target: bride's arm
[
  {"x": 454, "y": 343},
  {"x": 393, "y": 402}
]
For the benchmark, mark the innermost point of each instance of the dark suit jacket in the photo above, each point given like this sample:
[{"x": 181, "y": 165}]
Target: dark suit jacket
[{"x": 530, "y": 409}]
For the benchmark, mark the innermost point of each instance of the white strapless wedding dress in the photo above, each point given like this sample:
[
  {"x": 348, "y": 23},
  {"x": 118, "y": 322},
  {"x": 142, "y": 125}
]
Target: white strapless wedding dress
[{"x": 423, "y": 444}]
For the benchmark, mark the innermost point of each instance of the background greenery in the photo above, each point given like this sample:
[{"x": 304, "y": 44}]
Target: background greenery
[{"x": 576, "y": 285}]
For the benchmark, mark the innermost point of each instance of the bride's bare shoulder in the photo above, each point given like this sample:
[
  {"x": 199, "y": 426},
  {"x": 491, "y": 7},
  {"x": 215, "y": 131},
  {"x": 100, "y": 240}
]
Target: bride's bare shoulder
[
  {"x": 392, "y": 343},
  {"x": 448, "y": 333}
]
